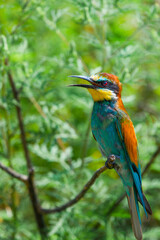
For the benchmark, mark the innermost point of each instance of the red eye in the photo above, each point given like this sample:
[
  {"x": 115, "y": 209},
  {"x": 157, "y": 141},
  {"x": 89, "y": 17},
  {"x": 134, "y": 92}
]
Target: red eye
[{"x": 105, "y": 83}]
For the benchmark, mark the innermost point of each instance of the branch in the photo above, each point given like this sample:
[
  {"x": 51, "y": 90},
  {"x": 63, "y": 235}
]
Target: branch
[
  {"x": 13, "y": 173},
  {"x": 119, "y": 200},
  {"x": 19, "y": 116},
  {"x": 90, "y": 183},
  {"x": 79, "y": 196},
  {"x": 31, "y": 185}
]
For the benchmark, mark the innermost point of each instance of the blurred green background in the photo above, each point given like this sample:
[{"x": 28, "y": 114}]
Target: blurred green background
[{"x": 45, "y": 42}]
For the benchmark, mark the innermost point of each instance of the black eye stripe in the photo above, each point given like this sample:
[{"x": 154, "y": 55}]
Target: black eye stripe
[{"x": 109, "y": 85}]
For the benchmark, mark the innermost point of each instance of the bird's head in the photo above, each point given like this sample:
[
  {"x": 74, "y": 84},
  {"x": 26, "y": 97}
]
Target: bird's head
[{"x": 103, "y": 86}]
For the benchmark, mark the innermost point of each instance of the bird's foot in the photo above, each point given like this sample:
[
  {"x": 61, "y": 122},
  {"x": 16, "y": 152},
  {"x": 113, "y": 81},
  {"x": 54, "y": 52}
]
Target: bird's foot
[{"x": 110, "y": 163}]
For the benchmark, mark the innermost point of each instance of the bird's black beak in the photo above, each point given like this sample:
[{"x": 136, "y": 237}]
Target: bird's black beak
[{"x": 90, "y": 80}]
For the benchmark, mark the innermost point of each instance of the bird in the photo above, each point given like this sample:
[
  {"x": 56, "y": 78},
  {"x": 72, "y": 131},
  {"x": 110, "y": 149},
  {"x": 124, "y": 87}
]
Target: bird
[{"x": 114, "y": 132}]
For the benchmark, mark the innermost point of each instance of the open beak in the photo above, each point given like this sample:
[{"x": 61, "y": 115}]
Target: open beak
[{"x": 88, "y": 79}]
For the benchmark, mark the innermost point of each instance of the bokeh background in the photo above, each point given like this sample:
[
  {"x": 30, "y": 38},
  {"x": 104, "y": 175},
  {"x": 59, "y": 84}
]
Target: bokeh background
[{"x": 45, "y": 42}]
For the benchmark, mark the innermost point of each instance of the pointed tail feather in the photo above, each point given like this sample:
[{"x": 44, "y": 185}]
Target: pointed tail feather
[
  {"x": 135, "y": 216},
  {"x": 147, "y": 205}
]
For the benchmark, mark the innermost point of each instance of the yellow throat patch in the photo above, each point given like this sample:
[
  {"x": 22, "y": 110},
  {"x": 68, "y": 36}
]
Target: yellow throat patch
[{"x": 100, "y": 94}]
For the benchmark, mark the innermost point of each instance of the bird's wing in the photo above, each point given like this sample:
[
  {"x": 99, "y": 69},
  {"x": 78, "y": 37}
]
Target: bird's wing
[{"x": 128, "y": 140}]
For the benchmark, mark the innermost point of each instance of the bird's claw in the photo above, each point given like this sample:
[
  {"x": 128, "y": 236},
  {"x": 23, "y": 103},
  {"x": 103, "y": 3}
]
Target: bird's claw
[{"x": 110, "y": 163}]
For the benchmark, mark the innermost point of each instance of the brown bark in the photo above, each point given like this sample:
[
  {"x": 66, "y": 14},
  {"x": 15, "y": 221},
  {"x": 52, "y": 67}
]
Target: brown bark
[{"x": 31, "y": 185}]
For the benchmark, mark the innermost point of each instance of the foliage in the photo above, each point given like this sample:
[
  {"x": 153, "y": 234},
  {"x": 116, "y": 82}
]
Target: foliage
[{"x": 45, "y": 42}]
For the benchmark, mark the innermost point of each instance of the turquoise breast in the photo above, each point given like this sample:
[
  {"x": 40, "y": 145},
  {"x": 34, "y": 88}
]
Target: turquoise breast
[
  {"x": 103, "y": 125},
  {"x": 103, "y": 122}
]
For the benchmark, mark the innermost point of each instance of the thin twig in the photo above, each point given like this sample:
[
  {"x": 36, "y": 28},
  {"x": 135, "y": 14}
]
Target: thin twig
[
  {"x": 119, "y": 200},
  {"x": 115, "y": 204},
  {"x": 10, "y": 171},
  {"x": 37, "y": 106},
  {"x": 79, "y": 196},
  {"x": 155, "y": 154}
]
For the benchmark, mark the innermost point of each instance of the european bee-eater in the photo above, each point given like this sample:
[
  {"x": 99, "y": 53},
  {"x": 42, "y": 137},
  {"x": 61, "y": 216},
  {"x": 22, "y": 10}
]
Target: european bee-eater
[{"x": 113, "y": 129}]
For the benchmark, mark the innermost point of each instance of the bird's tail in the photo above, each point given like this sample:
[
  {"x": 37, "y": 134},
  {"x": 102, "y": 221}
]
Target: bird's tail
[{"x": 135, "y": 215}]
